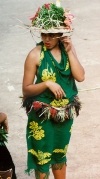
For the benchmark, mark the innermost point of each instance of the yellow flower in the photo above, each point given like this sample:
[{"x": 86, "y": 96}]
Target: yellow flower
[
  {"x": 59, "y": 103},
  {"x": 41, "y": 58},
  {"x": 48, "y": 75},
  {"x": 33, "y": 152},
  {"x": 42, "y": 157},
  {"x": 39, "y": 134},
  {"x": 44, "y": 47},
  {"x": 71, "y": 129},
  {"x": 53, "y": 63},
  {"x": 41, "y": 55},
  {"x": 42, "y": 162},
  {"x": 64, "y": 151},
  {"x": 67, "y": 66},
  {"x": 37, "y": 131},
  {"x": 34, "y": 125}
]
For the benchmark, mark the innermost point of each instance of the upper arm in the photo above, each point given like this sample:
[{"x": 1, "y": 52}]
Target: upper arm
[
  {"x": 30, "y": 67},
  {"x": 3, "y": 116}
]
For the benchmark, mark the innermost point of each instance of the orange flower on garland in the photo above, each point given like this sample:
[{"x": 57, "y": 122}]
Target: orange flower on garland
[
  {"x": 36, "y": 15},
  {"x": 68, "y": 19}
]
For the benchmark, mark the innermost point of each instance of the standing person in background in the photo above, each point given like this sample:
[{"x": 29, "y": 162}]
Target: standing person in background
[
  {"x": 6, "y": 162},
  {"x": 51, "y": 100}
]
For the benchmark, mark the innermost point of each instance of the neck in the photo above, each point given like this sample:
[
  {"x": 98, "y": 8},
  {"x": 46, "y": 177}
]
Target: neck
[
  {"x": 56, "y": 48},
  {"x": 56, "y": 52}
]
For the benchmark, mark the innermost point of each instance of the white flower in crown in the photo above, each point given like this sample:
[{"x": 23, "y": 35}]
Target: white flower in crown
[{"x": 58, "y": 3}]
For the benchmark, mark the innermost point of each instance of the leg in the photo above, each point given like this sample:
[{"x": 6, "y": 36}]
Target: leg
[
  {"x": 40, "y": 175},
  {"x": 59, "y": 171},
  {"x": 63, "y": 134}
]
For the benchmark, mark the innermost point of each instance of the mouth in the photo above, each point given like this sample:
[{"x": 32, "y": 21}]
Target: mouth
[{"x": 47, "y": 44}]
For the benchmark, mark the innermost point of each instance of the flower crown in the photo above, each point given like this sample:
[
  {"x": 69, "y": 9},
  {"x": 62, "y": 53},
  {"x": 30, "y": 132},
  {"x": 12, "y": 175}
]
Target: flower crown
[{"x": 52, "y": 16}]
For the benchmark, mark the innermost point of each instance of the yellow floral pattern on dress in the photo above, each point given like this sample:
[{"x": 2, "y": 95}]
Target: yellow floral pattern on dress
[
  {"x": 53, "y": 63},
  {"x": 37, "y": 131},
  {"x": 48, "y": 75},
  {"x": 67, "y": 66},
  {"x": 71, "y": 129},
  {"x": 41, "y": 58},
  {"x": 43, "y": 158},
  {"x": 59, "y": 103},
  {"x": 44, "y": 47},
  {"x": 64, "y": 151}
]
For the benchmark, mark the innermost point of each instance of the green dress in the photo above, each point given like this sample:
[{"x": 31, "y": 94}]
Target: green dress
[{"x": 47, "y": 140}]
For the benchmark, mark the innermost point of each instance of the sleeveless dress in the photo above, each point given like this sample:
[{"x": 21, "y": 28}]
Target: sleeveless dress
[{"x": 47, "y": 140}]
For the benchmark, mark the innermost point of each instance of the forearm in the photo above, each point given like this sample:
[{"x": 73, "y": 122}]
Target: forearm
[
  {"x": 34, "y": 89},
  {"x": 76, "y": 68}
]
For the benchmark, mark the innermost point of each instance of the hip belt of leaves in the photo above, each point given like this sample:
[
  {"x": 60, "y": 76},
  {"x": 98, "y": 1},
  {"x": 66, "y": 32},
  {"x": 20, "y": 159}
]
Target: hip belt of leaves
[{"x": 58, "y": 114}]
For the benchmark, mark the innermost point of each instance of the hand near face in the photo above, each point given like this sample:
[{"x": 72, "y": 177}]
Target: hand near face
[
  {"x": 67, "y": 43},
  {"x": 56, "y": 89}
]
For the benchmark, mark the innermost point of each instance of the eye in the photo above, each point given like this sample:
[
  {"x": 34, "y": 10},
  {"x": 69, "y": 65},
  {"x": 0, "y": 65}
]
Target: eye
[
  {"x": 52, "y": 35},
  {"x": 43, "y": 34}
]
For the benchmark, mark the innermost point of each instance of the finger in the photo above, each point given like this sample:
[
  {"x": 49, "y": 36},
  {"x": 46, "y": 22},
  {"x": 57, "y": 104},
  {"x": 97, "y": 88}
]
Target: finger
[
  {"x": 55, "y": 94},
  {"x": 63, "y": 93},
  {"x": 66, "y": 41},
  {"x": 58, "y": 94},
  {"x": 65, "y": 38}
]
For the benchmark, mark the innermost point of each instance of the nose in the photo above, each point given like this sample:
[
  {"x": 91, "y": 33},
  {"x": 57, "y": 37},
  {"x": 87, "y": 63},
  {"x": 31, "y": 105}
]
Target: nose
[{"x": 47, "y": 38}]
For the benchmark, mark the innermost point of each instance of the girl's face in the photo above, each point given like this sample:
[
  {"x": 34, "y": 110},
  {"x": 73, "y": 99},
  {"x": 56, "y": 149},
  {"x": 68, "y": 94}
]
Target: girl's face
[{"x": 50, "y": 40}]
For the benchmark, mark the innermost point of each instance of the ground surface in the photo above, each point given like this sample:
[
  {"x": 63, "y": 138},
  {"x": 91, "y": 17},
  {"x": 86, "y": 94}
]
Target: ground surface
[{"x": 15, "y": 43}]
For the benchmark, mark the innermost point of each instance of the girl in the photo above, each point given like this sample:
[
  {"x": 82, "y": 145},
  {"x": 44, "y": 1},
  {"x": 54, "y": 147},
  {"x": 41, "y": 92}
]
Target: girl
[{"x": 51, "y": 100}]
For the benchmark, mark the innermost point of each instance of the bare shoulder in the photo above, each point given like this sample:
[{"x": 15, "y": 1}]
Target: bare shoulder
[
  {"x": 3, "y": 116},
  {"x": 34, "y": 55}
]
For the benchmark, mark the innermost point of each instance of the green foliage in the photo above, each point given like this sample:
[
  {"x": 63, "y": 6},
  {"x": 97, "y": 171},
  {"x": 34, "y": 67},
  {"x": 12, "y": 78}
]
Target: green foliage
[
  {"x": 3, "y": 136},
  {"x": 49, "y": 16}
]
